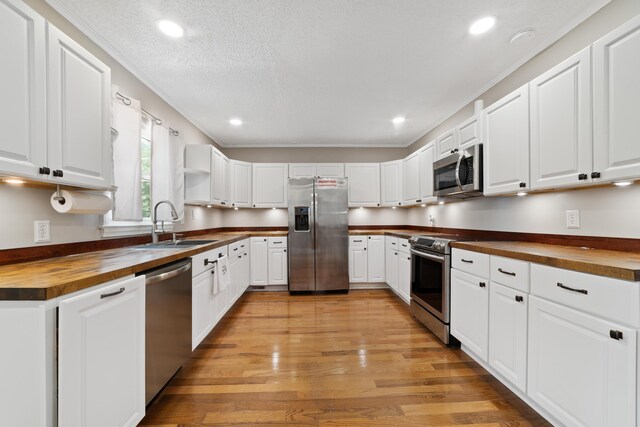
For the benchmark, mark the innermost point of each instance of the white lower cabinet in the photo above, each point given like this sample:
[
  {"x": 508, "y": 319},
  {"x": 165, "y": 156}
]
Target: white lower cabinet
[
  {"x": 508, "y": 333},
  {"x": 259, "y": 261},
  {"x": 101, "y": 353},
  {"x": 391, "y": 268},
  {"x": 358, "y": 272},
  {"x": 470, "y": 311},
  {"x": 268, "y": 261},
  {"x": 278, "y": 266},
  {"x": 404, "y": 276},
  {"x": 203, "y": 315},
  {"x": 577, "y": 371},
  {"x": 375, "y": 259}
]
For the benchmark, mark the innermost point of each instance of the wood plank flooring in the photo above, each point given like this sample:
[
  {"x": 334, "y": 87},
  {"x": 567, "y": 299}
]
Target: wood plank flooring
[{"x": 332, "y": 360}]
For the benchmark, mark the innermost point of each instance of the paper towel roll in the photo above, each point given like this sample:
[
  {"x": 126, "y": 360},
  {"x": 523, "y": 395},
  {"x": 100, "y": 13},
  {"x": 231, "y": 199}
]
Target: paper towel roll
[{"x": 78, "y": 202}]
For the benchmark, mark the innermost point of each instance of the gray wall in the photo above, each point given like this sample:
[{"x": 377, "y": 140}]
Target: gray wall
[{"x": 315, "y": 155}]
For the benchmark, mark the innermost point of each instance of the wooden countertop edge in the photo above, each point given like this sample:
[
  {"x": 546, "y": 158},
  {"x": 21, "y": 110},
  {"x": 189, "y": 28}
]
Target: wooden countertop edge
[{"x": 595, "y": 268}]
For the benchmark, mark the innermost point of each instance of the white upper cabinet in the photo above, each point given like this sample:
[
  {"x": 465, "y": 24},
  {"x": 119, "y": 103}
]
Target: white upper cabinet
[
  {"x": 426, "y": 159},
  {"x": 446, "y": 143},
  {"x": 561, "y": 137},
  {"x": 330, "y": 170},
  {"x": 23, "y": 148},
  {"x": 364, "y": 184},
  {"x": 240, "y": 184},
  {"x": 219, "y": 187},
  {"x": 616, "y": 106},
  {"x": 198, "y": 159},
  {"x": 505, "y": 128},
  {"x": 270, "y": 185},
  {"x": 78, "y": 114},
  {"x": 302, "y": 170},
  {"x": 391, "y": 183},
  {"x": 411, "y": 179},
  {"x": 469, "y": 132}
]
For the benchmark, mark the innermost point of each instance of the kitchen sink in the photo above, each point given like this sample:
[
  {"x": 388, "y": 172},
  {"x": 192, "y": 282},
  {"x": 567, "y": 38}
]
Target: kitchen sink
[{"x": 170, "y": 244}]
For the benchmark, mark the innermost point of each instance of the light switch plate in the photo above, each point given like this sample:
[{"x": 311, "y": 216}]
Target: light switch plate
[
  {"x": 41, "y": 231},
  {"x": 573, "y": 219}
]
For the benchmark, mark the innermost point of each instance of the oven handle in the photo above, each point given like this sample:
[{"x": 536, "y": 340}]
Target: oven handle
[
  {"x": 458, "y": 163},
  {"x": 425, "y": 255}
]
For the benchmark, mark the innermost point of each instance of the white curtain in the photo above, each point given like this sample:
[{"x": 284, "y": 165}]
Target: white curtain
[
  {"x": 126, "y": 160},
  {"x": 167, "y": 171}
]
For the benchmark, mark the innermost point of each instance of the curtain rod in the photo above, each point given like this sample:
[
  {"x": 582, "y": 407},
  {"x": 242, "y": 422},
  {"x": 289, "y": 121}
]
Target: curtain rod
[{"x": 127, "y": 101}]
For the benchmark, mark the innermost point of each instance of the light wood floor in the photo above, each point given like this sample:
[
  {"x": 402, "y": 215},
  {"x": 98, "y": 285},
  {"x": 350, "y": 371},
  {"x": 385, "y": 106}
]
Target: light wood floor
[{"x": 327, "y": 360}]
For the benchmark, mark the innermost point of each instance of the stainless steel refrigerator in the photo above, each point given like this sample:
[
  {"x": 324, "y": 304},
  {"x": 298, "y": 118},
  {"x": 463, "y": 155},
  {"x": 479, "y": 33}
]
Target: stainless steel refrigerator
[{"x": 318, "y": 234}]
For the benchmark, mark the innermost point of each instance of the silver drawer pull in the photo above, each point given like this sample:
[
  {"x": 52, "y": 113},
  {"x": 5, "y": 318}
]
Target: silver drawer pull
[
  {"x": 112, "y": 294},
  {"x": 510, "y": 273},
  {"x": 581, "y": 291},
  {"x": 468, "y": 261}
]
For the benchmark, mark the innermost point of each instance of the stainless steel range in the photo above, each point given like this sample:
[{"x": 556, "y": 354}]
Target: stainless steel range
[{"x": 430, "y": 283}]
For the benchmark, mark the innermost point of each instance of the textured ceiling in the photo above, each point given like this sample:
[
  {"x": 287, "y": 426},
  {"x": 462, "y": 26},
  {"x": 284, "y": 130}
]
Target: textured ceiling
[{"x": 321, "y": 72}]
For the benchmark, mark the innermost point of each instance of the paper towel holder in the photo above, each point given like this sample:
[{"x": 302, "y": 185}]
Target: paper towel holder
[{"x": 58, "y": 198}]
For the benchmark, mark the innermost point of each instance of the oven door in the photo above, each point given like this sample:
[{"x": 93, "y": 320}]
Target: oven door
[{"x": 430, "y": 282}]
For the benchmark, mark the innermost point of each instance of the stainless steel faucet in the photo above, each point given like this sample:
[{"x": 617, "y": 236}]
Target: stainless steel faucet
[{"x": 155, "y": 231}]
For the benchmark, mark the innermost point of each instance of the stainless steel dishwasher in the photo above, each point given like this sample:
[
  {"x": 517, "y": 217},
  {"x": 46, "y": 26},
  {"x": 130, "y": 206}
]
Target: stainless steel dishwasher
[{"x": 168, "y": 323}]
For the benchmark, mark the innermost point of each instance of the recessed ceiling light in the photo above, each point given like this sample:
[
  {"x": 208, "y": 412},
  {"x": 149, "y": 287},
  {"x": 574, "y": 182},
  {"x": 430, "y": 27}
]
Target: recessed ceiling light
[
  {"x": 482, "y": 25},
  {"x": 170, "y": 28},
  {"x": 14, "y": 181},
  {"x": 622, "y": 183},
  {"x": 235, "y": 122},
  {"x": 398, "y": 120},
  {"x": 522, "y": 193}
]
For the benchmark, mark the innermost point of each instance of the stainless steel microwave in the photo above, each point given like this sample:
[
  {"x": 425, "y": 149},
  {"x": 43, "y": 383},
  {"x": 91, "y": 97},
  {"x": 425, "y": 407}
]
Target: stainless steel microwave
[{"x": 459, "y": 175}]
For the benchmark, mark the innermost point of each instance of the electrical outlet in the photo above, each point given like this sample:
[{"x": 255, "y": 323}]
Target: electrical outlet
[
  {"x": 573, "y": 219},
  {"x": 41, "y": 231}
]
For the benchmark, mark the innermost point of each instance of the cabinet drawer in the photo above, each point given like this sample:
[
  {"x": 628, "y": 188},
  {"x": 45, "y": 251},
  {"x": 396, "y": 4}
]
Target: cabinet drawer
[
  {"x": 510, "y": 272},
  {"x": 391, "y": 243},
  {"x": 613, "y": 299},
  {"x": 358, "y": 241},
  {"x": 238, "y": 247},
  {"x": 277, "y": 242},
  {"x": 471, "y": 262},
  {"x": 198, "y": 264},
  {"x": 403, "y": 245}
]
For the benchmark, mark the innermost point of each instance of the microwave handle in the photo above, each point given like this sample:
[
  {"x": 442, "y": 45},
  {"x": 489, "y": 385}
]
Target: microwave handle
[{"x": 458, "y": 171}]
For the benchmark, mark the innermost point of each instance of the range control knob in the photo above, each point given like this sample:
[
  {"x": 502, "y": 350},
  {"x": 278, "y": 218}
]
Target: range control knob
[{"x": 412, "y": 240}]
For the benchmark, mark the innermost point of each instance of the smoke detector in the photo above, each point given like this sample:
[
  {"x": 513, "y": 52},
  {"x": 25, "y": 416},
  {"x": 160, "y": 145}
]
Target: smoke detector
[{"x": 523, "y": 35}]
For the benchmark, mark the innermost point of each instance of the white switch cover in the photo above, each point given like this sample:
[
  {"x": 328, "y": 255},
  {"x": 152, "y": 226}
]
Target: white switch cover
[
  {"x": 41, "y": 231},
  {"x": 573, "y": 219}
]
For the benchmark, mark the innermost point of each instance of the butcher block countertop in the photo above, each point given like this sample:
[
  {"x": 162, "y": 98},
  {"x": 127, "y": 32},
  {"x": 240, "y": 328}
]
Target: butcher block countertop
[
  {"x": 400, "y": 232},
  {"x": 51, "y": 278},
  {"x": 615, "y": 264}
]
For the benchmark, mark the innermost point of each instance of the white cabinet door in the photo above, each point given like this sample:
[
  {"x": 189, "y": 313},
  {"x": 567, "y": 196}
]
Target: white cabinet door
[
  {"x": 616, "y": 91},
  {"x": 577, "y": 371},
  {"x": 391, "y": 183},
  {"x": 330, "y": 170},
  {"x": 561, "y": 138},
  {"x": 411, "y": 179},
  {"x": 426, "y": 173},
  {"x": 404, "y": 276},
  {"x": 508, "y": 333},
  {"x": 198, "y": 162},
  {"x": 270, "y": 185},
  {"x": 78, "y": 114},
  {"x": 364, "y": 184},
  {"x": 101, "y": 352},
  {"x": 469, "y": 132},
  {"x": 278, "y": 266},
  {"x": 302, "y": 170},
  {"x": 202, "y": 309},
  {"x": 505, "y": 128},
  {"x": 23, "y": 148},
  {"x": 375, "y": 259},
  {"x": 219, "y": 188},
  {"x": 236, "y": 279},
  {"x": 470, "y": 311},
  {"x": 391, "y": 268},
  {"x": 240, "y": 184},
  {"x": 358, "y": 272},
  {"x": 259, "y": 261},
  {"x": 446, "y": 143}
]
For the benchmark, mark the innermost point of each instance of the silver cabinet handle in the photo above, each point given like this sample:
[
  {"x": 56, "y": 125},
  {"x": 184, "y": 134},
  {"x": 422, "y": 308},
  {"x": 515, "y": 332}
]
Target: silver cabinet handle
[
  {"x": 510, "y": 273},
  {"x": 468, "y": 261},
  {"x": 112, "y": 294},
  {"x": 581, "y": 291}
]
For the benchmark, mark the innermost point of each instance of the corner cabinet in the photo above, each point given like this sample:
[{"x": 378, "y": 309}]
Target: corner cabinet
[
  {"x": 78, "y": 114},
  {"x": 505, "y": 128},
  {"x": 101, "y": 356},
  {"x": 616, "y": 85},
  {"x": 363, "y": 183},
  {"x": 270, "y": 185}
]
